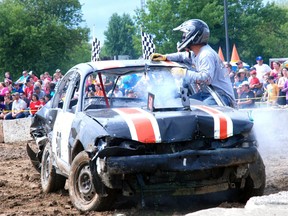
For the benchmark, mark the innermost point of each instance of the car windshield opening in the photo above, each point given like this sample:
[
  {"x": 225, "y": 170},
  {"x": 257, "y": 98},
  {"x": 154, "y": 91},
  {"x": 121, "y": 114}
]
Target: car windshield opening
[{"x": 133, "y": 88}]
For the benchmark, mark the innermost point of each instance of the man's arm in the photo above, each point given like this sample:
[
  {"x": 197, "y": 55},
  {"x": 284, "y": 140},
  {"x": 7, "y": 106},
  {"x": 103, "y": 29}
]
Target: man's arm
[
  {"x": 13, "y": 110},
  {"x": 248, "y": 101},
  {"x": 205, "y": 70},
  {"x": 183, "y": 57}
]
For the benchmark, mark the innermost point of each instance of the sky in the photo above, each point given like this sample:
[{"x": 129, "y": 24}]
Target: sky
[{"x": 98, "y": 12}]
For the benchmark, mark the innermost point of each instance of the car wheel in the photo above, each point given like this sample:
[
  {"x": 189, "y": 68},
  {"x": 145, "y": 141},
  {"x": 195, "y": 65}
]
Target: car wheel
[
  {"x": 257, "y": 173},
  {"x": 50, "y": 180},
  {"x": 81, "y": 189}
]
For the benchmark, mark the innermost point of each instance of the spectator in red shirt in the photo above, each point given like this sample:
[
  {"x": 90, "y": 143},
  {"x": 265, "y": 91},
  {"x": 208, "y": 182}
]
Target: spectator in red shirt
[
  {"x": 33, "y": 76},
  {"x": 35, "y": 104},
  {"x": 254, "y": 83},
  {"x": 28, "y": 91}
]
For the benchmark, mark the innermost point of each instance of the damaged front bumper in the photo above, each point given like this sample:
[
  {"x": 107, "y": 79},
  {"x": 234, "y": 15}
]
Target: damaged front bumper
[{"x": 185, "y": 161}]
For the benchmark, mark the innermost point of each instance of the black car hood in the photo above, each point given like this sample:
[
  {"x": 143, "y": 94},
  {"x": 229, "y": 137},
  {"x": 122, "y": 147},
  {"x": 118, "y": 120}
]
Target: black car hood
[{"x": 172, "y": 126}]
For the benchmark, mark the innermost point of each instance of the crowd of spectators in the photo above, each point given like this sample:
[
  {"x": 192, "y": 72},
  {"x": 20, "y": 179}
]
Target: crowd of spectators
[
  {"x": 260, "y": 83},
  {"x": 24, "y": 96}
]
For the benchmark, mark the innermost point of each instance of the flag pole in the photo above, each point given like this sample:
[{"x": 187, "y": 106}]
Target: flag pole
[
  {"x": 226, "y": 30},
  {"x": 92, "y": 42}
]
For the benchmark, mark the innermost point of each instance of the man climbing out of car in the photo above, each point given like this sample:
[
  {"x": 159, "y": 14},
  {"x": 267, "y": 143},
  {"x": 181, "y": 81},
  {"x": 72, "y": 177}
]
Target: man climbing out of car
[{"x": 205, "y": 66}]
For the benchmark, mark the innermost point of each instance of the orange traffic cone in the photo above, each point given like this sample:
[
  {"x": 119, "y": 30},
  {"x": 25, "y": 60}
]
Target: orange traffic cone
[
  {"x": 220, "y": 53},
  {"x": 234, "y": 56}
]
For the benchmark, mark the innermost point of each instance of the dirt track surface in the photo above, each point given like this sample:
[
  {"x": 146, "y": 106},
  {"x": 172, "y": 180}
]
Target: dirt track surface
[{"x": 20, "y": 190}]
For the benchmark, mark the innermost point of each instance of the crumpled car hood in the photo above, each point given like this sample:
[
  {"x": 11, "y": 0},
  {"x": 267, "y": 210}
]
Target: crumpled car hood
[{"x": 172, "y": 126}]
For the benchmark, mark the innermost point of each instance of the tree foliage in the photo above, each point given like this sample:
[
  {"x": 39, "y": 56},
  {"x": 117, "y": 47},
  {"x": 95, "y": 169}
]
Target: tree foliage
[
  {"x": 256, "y": 28},
  {"x": 162, "y": 16},
  {"x": 40, "y": 35},
  {"x": 119, "y": 36}
]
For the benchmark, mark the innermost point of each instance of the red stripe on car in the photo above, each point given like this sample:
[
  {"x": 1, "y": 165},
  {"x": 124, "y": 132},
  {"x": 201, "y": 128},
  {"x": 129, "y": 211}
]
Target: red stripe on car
[
  {"x": 140, "y": 126},
  {"x": 223, "y": 126}
]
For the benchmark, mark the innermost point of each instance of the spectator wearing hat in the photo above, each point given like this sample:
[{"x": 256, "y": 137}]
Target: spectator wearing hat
[
  {"x": 240, "y": 65},
  {"x": 240, "y": 77},
  {"x": 254, "y": 83},
  {"x": 246, "y": 97},
  {"x": 261, "y": 69},
  {"x": 18, "y": 108},
  {"x": 272, "y": 91}
]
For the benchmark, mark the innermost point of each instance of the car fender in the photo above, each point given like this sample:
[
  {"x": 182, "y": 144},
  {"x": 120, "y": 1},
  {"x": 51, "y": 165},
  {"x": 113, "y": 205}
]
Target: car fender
[{"x": 85, "y": 130}]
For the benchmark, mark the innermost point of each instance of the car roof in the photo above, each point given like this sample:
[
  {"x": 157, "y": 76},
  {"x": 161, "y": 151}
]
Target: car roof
[{"x": 121, "y": 67}]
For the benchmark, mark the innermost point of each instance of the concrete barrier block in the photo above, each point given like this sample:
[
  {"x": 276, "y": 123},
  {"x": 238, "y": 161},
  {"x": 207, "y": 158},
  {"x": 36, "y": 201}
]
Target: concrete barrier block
[
  {"x": 1, "y": 132},
  {"x": 17, "y": 130}
]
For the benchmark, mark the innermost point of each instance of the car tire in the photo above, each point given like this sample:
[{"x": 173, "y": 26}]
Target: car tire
[
  {"x": 50, "y": 180},
  {"x": 81, "y": 189},
  {"x": 257, "y": 171}
]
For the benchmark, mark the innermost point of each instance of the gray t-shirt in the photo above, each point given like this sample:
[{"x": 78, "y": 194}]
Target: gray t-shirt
[{"x": 207, "y": 67}]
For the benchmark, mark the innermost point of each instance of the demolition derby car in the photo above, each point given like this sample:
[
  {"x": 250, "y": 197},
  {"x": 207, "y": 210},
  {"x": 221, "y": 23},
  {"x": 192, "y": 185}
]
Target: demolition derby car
[{"x": 128, "y": 127}]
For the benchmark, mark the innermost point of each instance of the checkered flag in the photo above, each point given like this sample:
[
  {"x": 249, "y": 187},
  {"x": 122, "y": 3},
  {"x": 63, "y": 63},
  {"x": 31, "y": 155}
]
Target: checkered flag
[
  {"x": 148, "y": 46},
  {"x": 95, "y": 49}
]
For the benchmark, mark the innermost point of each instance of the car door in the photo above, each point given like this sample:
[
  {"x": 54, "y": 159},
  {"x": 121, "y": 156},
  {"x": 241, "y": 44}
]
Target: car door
[{"x": 63, "y": 122}]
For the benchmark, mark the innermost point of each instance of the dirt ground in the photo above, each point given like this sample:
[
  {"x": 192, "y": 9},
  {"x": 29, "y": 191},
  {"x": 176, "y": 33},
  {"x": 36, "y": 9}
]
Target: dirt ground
[{"x": 20, "y": 190}]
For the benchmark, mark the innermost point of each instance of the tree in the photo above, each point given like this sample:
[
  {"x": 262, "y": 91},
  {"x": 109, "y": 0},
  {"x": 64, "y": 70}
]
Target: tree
[
  {"x": 255, "y": 31},
  {"x": 40, "y": 35},
  {"x": 162, "y": 16},
  {"x": 119, "y": 36},
  {"x": 255, "y": 28}
]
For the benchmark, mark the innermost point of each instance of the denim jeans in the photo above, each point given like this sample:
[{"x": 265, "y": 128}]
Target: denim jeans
[
  {"x": 19, "y": 115},
  {"x": 209, "y": 100}
]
